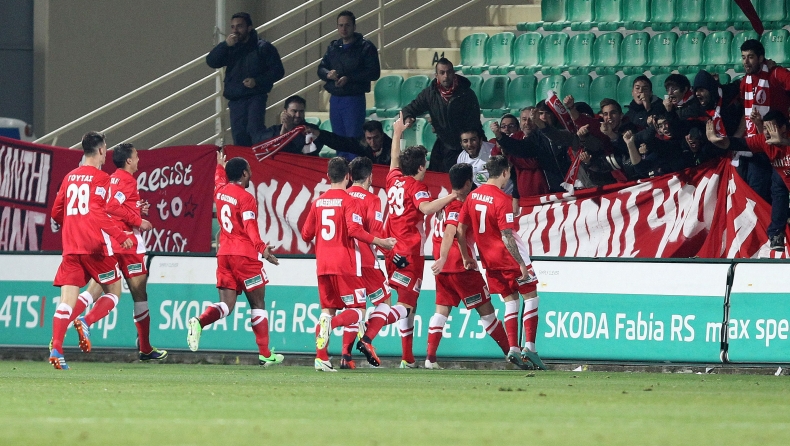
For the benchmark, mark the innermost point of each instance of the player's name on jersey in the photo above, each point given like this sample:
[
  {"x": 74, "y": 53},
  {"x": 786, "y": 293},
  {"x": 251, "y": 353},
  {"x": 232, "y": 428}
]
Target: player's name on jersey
[
  {"x": 84, "y": 178},
  {"x": 481, "y": 197},
  {"x": 227, "y": 199},
  {"x": 329, "y": 202}
]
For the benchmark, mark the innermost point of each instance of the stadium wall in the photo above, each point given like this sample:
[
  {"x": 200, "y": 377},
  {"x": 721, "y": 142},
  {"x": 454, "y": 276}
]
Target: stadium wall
[{"x": 590, "y": 309}]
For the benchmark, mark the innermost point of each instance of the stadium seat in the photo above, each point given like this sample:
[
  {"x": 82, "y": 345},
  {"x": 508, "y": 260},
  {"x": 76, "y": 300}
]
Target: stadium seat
[
  {"x": 487, "y": 129},
  {"x": 312, "y": 120},
  {"x": 477, "y": 82},
  {"x": 579, "y": 54},
  {"x": 690, "y": 14},
  {"x": 603, "y": 87},
  {"x": 493, "y": 96},
  {"x": 427, "y": 136},
  {"x": 386, "y": 125},
  {"x": 662, "y": 15},
  {"x": 636, "y": 14},
  {"x": 716, "y": 51},
  {"x": 553, "y": 82},
  {"x": 525, "y": 53},
  {"x": 688, "y": 52},
  {"x": 553, "y": 15},
  {"x": 411, "y": 136},
  {"x": 658, "y": 85},
  {"x": 634, "y": 53},
  {"x": 772, "y": 13},
  {"x": 775, "y": 43},
  {"x": 661, "y": 52},
  {"x": 473, "y": 54},
  {"x": 735, "y": 48},
  {"x": 717, "y": 14},
  {"x": 578, "y": 87},
  {"x": 580, "y": 14},
  {"x": 410, "y": 88},
  {"x": 738, "y": 18},
  {"x": 521, "y": 92},
  {"x": 386, "y": 95},
  {"x": 499, "y": 53},
  {"x": 724, "y": 78},
  {"x": 552, "y": 53},
  {"x": 606, "y": 53},
  {"x": 326, "y": 125},
  {"x": 608, "y": 14},
  {"x": 624, "y": 88}
]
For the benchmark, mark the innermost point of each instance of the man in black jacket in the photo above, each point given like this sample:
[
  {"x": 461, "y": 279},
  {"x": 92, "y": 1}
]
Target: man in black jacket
[
  {"x": 350, "y": 64},
  {"x": 453, "y": 107},
  {"x": 376, "y": 145},
  {"x": 292, "y": 116},
  {"x": 253, "y": 66}
]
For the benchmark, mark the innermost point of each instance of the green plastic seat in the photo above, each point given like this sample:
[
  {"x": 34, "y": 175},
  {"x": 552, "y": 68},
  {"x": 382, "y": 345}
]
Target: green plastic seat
[
  {"x": 658, "y": 85},
  {"x": 312, "y": 120},
  {"x": 493, "y": 96},
  {"x": 499, "y": 53},
  {"x": 735, "y": 48},
  {"x": 624, "y": 88},
  {"x": 473, "y": 54},
  {"x": 521, "y": 93},
  {"x": 579, "y": 13},
  {"x": 688, "y": 51},
  {"x": 662, "y": 15},
  {"x": 553, "y": 82},
  {"x": 552, "y": 53},
  {"x": 690, "y": 14},
  {"x": 326, "y": 125},
  {"x": 775, "y": 43},
  {"x": 716, "y": 51},
  {"x": 525, "y": 53},
  {"x": 634, "y": 53},
  {"x": 386, "y": 95},
  {"x": 603, "y": 87},
  {"x": 636, "y": 14},
  {"x": 773, "y": 13},
  {"x": 487, "y": 129},
  {"x": 738, "y": 18},
  {"x": 553, "y": 15},
  {"x": 427, "y": 136},
  {"x": 477, "y": 82},
  {"x": 579, "y": 54},
  {"x": 608, "y": 14},
  {"x": 386, "y": 125},
  {"x": 412, "y": 135},
  {"x": 578, "y": 87},
  {"x": 717, "y": 14},
  {"x": 410, "y": 88},
  {"x": 724, "y": 78},
  {"x": 606, "y": 53},
  {"x": 661, "y": 52}
]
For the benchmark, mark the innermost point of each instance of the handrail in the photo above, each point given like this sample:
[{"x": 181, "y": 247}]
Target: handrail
[{"x": 377, "y": 9}]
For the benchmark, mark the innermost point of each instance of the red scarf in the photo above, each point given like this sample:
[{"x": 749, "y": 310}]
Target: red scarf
[
  {"x": 447, "y": 93},
  {"x": 715, "y": 116},
  {"x": 269, "y": 147},
  {"x": 757, "y": 95},
  {"x": 687, "y": 97},
  {"x": 559, "y": 110}
]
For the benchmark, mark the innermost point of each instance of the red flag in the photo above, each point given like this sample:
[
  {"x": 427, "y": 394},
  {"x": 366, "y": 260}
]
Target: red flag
[
  {"x": 748, "y": 9},
  {"x": 269, "y": 147}
]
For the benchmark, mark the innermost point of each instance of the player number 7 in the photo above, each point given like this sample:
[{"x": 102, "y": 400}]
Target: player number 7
[{"x": 482, "y": 209}]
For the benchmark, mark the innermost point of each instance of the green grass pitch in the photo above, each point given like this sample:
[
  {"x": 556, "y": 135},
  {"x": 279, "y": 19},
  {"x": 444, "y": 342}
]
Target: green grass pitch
[{"x": 153, "y": 404}]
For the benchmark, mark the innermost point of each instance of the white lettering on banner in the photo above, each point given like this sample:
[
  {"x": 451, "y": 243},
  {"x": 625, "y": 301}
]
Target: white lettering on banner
[
  {"x": 161, "y": 177},
  {"x": 744, "y": 223},
  {"x": 8, "y": 315},
  {"x": 19, "y": 229},
  {"x": 175, "y": 206},
  {"x": 24, "y": 175},
  {"x": 643, "y": 327},
  {"x": 165, "y": 240},
  {"x": 278, "y": 226},
  {"x": 588, "y": 326}
]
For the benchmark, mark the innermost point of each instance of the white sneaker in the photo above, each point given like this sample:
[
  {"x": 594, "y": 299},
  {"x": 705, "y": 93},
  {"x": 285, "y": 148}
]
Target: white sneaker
[
  {"x": 433, "y": 365},
  {"x": 193, "y": 333},
  {"x": 407, "y": 365},
  {"x": 323, "y": 366},
  {"x": 324, "y": 327}
]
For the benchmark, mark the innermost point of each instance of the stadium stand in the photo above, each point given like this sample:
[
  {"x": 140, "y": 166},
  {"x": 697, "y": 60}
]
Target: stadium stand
[
  {"x": 521, "y": 92},
  {"x": 553, "y": 82},
  {"x": 634, "y": 53},
  {"x": 603, "y": 87},
  {"x": 493, "y": 96},
  {"x": 473, "y": 54},
  {"x": 579, "y": 53},
  {"x": 499, "y": 53},
  {"x": 688, "y": 52},
  {"x": 526, "y": 59},
  {"x": 552, "y": 53},
  {"x": 661, "y": 52},
  {"x": 608, "y": 14},
  {"x": 578, "y": 86},
  {"x": 716, "y": 51},
  {"x": 386, "y": 95},
  {"x": 606, "y": 53}
]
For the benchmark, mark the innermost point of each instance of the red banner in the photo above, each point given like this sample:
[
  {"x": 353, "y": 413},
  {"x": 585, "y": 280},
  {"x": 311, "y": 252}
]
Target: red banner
[{"x": 175, "y": 180}]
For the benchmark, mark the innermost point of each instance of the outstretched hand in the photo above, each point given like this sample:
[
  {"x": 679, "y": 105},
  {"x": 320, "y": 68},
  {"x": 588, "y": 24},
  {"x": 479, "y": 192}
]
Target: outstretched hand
[{"x": 221, "y": 157}]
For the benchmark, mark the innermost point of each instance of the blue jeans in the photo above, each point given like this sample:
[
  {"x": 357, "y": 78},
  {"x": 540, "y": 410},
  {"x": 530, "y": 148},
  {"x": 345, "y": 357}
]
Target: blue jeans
[
  {"x": 247, "y": 119},
  {"x": 347, "y": 115}
]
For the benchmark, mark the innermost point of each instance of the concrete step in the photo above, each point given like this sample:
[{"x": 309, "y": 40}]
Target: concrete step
[
  {"x": 456, "y": 34},
  {"x": 512, "y": 15},
  {"x": 425, "y": 58}
]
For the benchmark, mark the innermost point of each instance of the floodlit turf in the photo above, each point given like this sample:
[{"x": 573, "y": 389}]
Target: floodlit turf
[{"x": 152, "y": 404}]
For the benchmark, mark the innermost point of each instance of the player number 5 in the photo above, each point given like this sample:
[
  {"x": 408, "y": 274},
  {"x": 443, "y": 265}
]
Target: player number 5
[
  {"x": 224, "y": 217},
  {"x": 327, "y": 225},
  {"x": 79, "y": 196}
]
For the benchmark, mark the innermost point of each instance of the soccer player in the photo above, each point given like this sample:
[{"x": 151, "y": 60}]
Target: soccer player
[
  {"x": 239, "y": 257},
  {"x": 488, "y": 213},
  {"x": 335, "y": 222},
  {"x": 80, "y": 209},
  {"x": 454, "y": 282},
  {"x": 127, "y": 210},
  {"x": 409, "y": 202}
]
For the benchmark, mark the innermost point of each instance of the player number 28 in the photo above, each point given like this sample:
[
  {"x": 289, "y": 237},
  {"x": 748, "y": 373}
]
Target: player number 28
[
  {"x": 224, "y": 218},
  {"x": 79, "y": 196},
  {"x": 395, "y": 200}
]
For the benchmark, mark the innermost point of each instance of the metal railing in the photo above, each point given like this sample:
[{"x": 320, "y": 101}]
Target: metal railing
[{"x": 220, "y": 111}]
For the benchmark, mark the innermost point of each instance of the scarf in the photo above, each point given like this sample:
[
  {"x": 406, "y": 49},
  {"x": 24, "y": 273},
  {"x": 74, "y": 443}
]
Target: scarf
[
  {"x": 447, "y": 93},
  {"x": 687, "y": 97},
  {"x": 559, "y": 110},
  {"x": 756, "y": 95},
  {"x": 269, "y": 147},
  {"x": 715, "y": 116}
]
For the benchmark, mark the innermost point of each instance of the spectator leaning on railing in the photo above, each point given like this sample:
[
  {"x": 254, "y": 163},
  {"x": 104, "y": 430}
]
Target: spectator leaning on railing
[{"x": 376, "y": 145}]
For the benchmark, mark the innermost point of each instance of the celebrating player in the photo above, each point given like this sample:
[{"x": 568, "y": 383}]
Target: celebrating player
[
  {"x": 454, "y": 282},
  {"x": 489, "y": 213},
  {"x": 337, "y": 217},
  {"x": 80, "y": 209},
  {"x": 239, "y": 257}
]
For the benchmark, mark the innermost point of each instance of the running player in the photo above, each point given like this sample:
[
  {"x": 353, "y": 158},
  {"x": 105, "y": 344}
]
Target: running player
[
  {"x": 80, "y": 208},
  {"x": 127, "y": 210},
  {"x": 488, "y": 212},
  {"x": 239, "y": 257},
  {"x": 454, "y": 282},
  {"x": 337, "y": 217},
  {"x": 409, "y": 202}
]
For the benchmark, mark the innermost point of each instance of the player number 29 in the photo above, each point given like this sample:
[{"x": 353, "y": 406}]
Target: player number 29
[
  {"x": 395, "y": 200},
  {"x": 224, "y": 218},
  {"x": 78, "y": 197},
  {"x": 327, "y": 225}
]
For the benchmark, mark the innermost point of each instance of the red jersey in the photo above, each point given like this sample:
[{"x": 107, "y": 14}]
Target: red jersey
[
  {"x": 81, "y": 209},
  {"x": 237, "y": 212},
  {"x": 334, "y": 221},
  {"x": 779, "y": 155},
  {"x": 123, "y": 207},
  {"x": 488, "y": 211},
  {"x": 372, "y": 221},
  {"x": 449, "y": 216},
  {"x": 405, "y": 221}
]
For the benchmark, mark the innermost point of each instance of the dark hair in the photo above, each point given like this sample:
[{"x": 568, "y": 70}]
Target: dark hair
[
  {"x": 295, "y": 98},
  {"x": 235, "y": 168},
  {"x": 372, "y": 126},
  {"x": 412, "y": 159},
  {"x": 243, "y": 15},
  {"x": 91, "y": 142},
  {"x": 508, "y": 116},
  {"x": 776, "y": 116},
  {"x": 337, "y": 169},
  {"x": 753, "y": 45},
  {"x": 459, "y": 175},
  {"x": 678, "y": 80},
  {"x": 496, "y": 166},
  {"x": 347, "y": 13},
  {"x": 584, "y": 108},
  {"x": 475, "y": 130},
  {"x": 642, "y": 78},
  {"x": 605, "y": 102},
  {"x": 121, "y": 153},
  {"x": 444, "y": 61},
  {"x": 542, "y": 106},
  {"x": 527, "y": 108},
  {"x": 361, "y": 167}
]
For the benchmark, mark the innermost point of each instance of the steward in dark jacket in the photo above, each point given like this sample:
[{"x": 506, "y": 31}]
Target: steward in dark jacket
[{"x": 359, "y": 63}]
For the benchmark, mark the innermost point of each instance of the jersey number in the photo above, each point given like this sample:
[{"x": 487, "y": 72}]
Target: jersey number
[
  {"x": 327, "y": 225},
  {"x": 482, "y": 209},
  {"x": 224, "y": 217},
  {"x": 78, "y": 197},
  {"x": 395, "y": 200}
]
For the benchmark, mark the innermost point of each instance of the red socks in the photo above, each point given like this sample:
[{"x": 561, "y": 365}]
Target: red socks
[
  {"x": 103, "y": 306},
  {"x": 260, "y": 326},
  {"x": 60, "y": 322}
]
